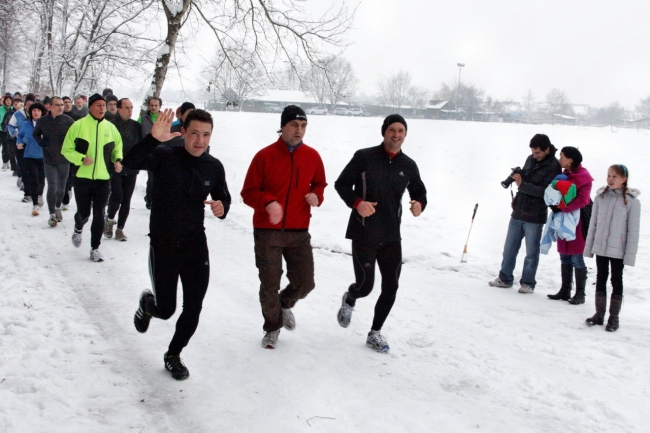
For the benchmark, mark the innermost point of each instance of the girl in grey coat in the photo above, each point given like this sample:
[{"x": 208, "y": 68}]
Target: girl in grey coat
[{"x": 614, "y": 238}]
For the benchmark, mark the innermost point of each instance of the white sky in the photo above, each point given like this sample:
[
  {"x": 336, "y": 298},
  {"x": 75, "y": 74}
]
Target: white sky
[{"x": 596, "y": 51}]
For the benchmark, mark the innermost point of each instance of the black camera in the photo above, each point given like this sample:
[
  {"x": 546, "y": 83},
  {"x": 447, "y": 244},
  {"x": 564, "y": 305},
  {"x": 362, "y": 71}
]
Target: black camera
[{"x": 506, "y": 183}]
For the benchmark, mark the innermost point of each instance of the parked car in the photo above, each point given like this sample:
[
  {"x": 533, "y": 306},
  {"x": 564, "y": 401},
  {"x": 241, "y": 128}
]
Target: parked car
[
  {"x": 342, "y": 112},
  {"x": 356, "y": 111},
  {"x": 270, "y": 107},
  {"x": 318, "y": 110}
]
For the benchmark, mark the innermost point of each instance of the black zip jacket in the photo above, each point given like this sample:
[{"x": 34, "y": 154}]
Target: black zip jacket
[
  {"x": 131, "y": 132},
  {"x": 182, "y": 183},
  {"x": 529, "y": 205},
  {"x": 372, "y": 176},
  {"x": 49, "y": 133}
]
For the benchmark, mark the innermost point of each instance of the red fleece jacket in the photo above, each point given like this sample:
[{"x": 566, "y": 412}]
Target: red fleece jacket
[{"x": 275, "y": 174}]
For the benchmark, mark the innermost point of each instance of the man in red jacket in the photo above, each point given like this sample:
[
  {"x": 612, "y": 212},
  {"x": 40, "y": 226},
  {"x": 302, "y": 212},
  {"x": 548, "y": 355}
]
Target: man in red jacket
[{"x": 283, "y": 182}]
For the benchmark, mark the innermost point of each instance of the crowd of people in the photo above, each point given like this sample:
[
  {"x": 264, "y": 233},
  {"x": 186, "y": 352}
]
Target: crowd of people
[{"x": 92, "y": 149}]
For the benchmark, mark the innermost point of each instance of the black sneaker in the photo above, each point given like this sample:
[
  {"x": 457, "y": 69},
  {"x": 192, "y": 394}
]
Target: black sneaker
[
  {"x": 175, "y": 366},
  {"x": 142, "y": 318}
]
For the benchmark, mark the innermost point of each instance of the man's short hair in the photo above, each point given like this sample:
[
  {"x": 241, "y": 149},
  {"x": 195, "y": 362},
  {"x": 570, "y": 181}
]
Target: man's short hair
[
  {"x": 540, "y": 141},
  {"x": 66, "y": 98},
  {"x": 199, "y": 116},
  {"x": 111, "y": 97},
  {"x": 152, "y": 98},
  {"x": 119, "y": 102},
  {"x": 55, "y": 97},
  {"x": 30, "y": 97},
  {"x": 78, "y": 97}
]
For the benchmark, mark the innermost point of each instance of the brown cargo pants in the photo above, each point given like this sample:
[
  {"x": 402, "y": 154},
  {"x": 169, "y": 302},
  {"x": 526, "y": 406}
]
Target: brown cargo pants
[{"x": 270, "y": 247}]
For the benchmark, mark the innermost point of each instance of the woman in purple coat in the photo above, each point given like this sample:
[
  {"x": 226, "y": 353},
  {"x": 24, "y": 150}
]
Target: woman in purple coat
[{"x": 571, "y": 251}]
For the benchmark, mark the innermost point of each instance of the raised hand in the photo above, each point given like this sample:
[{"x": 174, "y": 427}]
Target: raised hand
[{"x": 162, "y": 126}]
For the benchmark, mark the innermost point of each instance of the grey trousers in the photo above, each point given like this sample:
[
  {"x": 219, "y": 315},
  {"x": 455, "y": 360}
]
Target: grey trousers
[{"x": 57, "y": 177}]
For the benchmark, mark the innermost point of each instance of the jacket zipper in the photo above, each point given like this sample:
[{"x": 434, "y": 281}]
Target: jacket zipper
[
  {"x": 363, "y": 183},
  {"x": 96, "y": 149},
  {"x": 286, "y": 203}
]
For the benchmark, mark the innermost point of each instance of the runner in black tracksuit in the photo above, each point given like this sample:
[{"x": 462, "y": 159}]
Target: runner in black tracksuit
[
  {"x": 373, "y": 184},
  {"x": 185, "y": 176}
]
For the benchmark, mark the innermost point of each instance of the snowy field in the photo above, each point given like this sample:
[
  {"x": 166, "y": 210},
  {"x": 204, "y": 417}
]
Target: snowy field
[{"x": 465, "y": 357}]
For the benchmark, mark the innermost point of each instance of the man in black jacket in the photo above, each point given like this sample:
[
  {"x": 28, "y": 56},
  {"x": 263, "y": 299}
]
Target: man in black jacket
[
  {"x": 122, "y": 183},
  {"x": 372, "y": 184},
  {"x": 185, "y": 176},
  {"x": 529, "y": 212}
]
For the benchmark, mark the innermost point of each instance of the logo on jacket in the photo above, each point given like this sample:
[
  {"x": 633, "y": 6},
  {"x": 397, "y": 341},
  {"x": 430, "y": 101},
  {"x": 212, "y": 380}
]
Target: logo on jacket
[
  {"x": 207, "y": 183},
  {"x": 401, "y": 173}
]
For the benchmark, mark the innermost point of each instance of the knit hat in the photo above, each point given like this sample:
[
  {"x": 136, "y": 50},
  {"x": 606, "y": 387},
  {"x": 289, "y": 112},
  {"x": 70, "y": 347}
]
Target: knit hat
[
  {"x": 292, "y": 112},
  {"x": 94, "y": 98},
  {"x": 393, "y": 118},
  {"x": 47, "y": 100},
  {"x": 574, "y": 154},
  {"x": 111, "y": 97},
  {"x": 107, "y": 92},
  {"x": 37, "y": 106},
  {"x": 186, "y": 106},
  {"x": 30, "y": 97}
]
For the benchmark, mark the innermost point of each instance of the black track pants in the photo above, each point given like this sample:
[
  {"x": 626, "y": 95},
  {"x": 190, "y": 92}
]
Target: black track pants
[
  {"x": 89, "y": 193},
  {"x": 389, "y": 259},
  {"x": 122, "y": 187},
  {"x": 168, "y": 261}
]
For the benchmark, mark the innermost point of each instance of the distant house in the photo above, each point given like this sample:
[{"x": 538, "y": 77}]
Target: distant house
[
  {"x": 435, "y": 108},
  {"x": 281, "y": 98}
]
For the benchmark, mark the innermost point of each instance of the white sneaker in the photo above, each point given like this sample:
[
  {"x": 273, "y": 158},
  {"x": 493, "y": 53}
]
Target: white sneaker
[
  {"x": 76, "y": 238},
  {"x": 96, "y": 256},
  {"x": 52, "y": 221},
  {"x": 35, "y": 210},
  {"x": 270, "y": 340},
  {"x": 40, "y": 201},
  {"x": 5, "y": 166},
  {"x": 58, "y": 215},
  {"x": 288, "y": 319},
  {"x": 498, "y": 283},
  {"x": 525, "y": 288},
  {"x": 345, "y": 312},
  {"x": 377, "y": 341}
]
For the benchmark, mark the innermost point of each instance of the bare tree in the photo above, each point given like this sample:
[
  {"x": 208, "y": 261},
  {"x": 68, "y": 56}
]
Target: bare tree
[
  {"x": 275, "y": 32},
  {"x": 610, "y": 115},
  {"x": 331, "y": 80},
  {"x": 644, "y": 106},
  {"x": 469, "y": 97},
  {"x": 237, "y": 83},
  {"x": 417, "y": 97},
  {"x": 557, "y": 103},
  {"x": 8, "y": 42},
  {"x": 528, "y": 103},
  {"x": 393, "y": 89}
]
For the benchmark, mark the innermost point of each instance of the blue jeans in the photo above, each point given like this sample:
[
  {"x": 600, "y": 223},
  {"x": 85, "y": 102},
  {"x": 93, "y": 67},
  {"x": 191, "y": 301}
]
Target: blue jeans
[
  {"x": 518, "y": 230},
  {"x": 575, "y": 260}
]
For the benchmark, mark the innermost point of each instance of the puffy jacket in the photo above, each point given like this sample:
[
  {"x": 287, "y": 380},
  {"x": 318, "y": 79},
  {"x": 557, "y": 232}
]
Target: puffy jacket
[
  {"x": 98, "y": 139},
  {"x": 372, "y": 176},
  {"x": 16, "y": 120},
  {"x": 50, "y": 133},
  {"x": 529, "y": 205},
  {"x": 276, "y": 174},
  {"x": 582, "y": 180},
  {"x": 32, "y": 149},
  {"x": 614, "y": 226}
]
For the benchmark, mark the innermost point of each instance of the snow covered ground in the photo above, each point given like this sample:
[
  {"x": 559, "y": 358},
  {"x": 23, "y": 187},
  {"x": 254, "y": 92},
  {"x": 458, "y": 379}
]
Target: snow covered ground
[{"x": 464, "y": 356}]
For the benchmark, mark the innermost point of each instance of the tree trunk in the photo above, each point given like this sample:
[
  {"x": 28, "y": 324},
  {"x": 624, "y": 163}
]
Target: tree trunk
[{"x": 174, "y": 24}]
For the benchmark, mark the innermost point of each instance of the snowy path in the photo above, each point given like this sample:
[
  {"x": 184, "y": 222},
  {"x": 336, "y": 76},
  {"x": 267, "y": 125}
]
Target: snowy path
[{"x": 464, "y": 357}]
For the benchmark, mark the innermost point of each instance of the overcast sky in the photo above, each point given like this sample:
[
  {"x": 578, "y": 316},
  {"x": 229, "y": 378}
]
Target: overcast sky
[{"x": 596, "y": 51}]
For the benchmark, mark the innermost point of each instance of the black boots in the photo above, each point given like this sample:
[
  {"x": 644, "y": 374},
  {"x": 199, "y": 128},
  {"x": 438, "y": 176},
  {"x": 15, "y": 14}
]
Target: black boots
[
  {"x": 614, "y": 309},
  {"x": 567, "y": 281},
  {"x": 581, "y": 282},
  {"x": 601, "y": 307}
]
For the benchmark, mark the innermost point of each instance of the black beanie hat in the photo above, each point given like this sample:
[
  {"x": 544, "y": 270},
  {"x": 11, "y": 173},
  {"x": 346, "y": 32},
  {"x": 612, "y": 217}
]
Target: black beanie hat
[
  {"x": 292, "y": 112},
  {"x": 96, "y": 97},
  {"x": 574, "y": 154},
  {"x": 37, "y": 106},
  {"x": 30, "y": 97},
  {"x": 111, "y": 97},
  {"x": 393, "y": 118},
  {"x": 107, "y": 92},
  {"x": 186, "y": 106},
  {"x": 47, "y": 100}
]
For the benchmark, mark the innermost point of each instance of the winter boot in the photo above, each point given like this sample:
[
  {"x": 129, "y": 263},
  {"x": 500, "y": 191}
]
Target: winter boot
[
  {"x": 601, "y": 307},
  {"x": 567, "y": 282},
  {"x": 108, "y": 227},
  {"x": 581, "y": 282},
  {"x": 614, "y": 308}
]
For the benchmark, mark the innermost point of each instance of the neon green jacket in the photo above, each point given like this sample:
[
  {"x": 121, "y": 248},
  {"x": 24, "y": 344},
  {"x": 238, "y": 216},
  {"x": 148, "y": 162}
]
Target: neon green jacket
[{"x": 98, "y": 139}]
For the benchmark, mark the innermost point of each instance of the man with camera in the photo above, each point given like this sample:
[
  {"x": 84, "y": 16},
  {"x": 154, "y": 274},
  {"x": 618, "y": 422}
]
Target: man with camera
[{"x": 529, "y": 212}]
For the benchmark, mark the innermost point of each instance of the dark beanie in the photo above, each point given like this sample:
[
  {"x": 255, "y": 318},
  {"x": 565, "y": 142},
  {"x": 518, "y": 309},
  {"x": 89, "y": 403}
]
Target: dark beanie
[
  {"x": 574, "y": 154},
  {"x": 107, "y": 92},
  {"x": 30, "y": 97},
  {"x": 393, "y": 118},
  {"x": 96, "y": 97},
  {"x": 292, "y": 112},
  {"x": 111, "y": 97},
  {"x": 186, "y": 106},
  {"x": 47, "y": 100}
]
